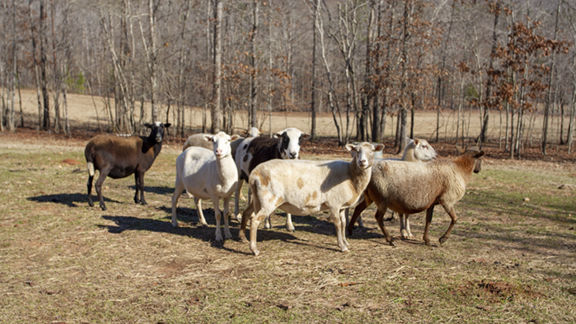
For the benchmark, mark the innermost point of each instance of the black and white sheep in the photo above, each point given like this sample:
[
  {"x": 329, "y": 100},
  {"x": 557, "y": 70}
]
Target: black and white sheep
[{"x": 285, "y": 144}]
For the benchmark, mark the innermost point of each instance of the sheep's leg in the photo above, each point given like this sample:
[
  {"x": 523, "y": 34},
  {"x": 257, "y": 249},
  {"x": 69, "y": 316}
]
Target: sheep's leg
[
  {"x": 227, "y": 234},
  {"x": 237, "y": 213},
  {"x": 216, "y": 203},
  {"x": 141, "y": 178},
  {"x": 392, "y": 216},
  {"x": 407, "y": 220},
  {"x": 335, "y": 217},
  {"x": 267, "y": 222},
  {"x": 380, "y": 219},
  {"x": 453, "y": 219},
  {"x": 343, "y": 217},
  {"x": 429, "y": 213},
  {"x": 137, "y": 186},
  {"x": 254, "y": 222},
  {"x": 99, "y": 182},
  {"x": 245, "y": 216},
  {"x": 200, "y": 211},
  {"x": 289, "y": 225},
  {"x": 89, "y": 185},
  {"x": 405, "y": 227},
  {"x": 178, "y": 189},
  {"x": 357, "y": 212}
]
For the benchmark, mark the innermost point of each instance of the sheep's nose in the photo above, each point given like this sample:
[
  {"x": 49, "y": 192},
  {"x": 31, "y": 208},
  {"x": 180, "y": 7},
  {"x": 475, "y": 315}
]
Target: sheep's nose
[
  {"x": 218, "y": 152},
  {"x": 293, "y": 155}
]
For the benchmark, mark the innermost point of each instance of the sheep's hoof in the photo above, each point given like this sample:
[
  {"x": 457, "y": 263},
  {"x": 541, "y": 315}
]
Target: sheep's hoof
[
  {"x": 442, "y": 240},
  {"x": 255, "y": 251},
  {"x": 174, "y": 224},
  {"x": 103, "y": 207},
  {"x": 90, "y": 203},
  {"x": 344, "y": 249},
  {"x": 143, "y": 202},
  {"x": 391, "y": 242},
  {"x": 291, "y": 230}
]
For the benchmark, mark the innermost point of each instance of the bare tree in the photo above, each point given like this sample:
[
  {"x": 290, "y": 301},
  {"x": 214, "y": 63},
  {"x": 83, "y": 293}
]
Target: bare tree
[
  {"x": 253, "y": 98},
  {"x": 216, "y": 110}
]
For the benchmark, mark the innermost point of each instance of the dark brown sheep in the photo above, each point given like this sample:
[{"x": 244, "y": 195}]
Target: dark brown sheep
[{"x": 118, "y": 157}]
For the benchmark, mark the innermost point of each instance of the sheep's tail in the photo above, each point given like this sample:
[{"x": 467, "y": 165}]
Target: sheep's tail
[
  {"x": 89, "y": 159},
  {"x": 90, "y": 166}
]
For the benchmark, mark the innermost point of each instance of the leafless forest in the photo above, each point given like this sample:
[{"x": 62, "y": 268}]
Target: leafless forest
[{"x": 501, "y": 62}]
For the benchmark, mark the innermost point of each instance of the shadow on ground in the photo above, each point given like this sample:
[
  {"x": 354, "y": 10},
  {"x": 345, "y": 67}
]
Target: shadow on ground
[
  {"x": 70, "y": 200},
  {"x": 160, "y": 190}
]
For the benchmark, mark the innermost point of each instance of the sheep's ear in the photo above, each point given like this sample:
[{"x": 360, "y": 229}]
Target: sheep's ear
[
  {"x": 278, "y": 134},
  {"x": 167, "y": 125},
  {"x": 350, "y": 147},
  {"x": 234, "y": 137},
  {"x": 148, "y": 125},
  {"x": 209, "y": 138},
  {"x": 378, "y": 147},
  {"x": 416, "y": 141}
]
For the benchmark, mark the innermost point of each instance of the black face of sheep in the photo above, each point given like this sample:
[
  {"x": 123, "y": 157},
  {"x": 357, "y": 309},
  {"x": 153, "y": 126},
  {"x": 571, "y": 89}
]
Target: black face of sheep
[
  {"x": 119, "y": 157},
  {"x": 157, "y": 132}
]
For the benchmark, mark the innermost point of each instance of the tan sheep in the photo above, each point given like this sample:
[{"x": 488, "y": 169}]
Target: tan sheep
[{"x": 409, "y": 188}]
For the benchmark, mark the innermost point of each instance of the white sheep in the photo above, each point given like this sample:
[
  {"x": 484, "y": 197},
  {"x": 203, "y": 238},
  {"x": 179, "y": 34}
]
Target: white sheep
[
  {"x": 302, "y": 187},
  {"x": 207, "y": 174},
  {"x": 408, "y": 187}
]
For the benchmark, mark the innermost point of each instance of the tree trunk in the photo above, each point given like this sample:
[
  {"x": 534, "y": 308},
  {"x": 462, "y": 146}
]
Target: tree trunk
[
  {"x": 216, "y": 111},
  {"x": 43, "y": 66},
  {"x": 549, "y": 83},
  {"x": 314, "y": 92},
  {"x": 486, "y": 106},
  {"x": 153, "y": 54},
  {"x": 252, "y": 99}
]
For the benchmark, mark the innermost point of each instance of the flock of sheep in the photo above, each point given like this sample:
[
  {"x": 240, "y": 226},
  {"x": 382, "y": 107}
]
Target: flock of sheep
[{"x": 215, "y": 166}]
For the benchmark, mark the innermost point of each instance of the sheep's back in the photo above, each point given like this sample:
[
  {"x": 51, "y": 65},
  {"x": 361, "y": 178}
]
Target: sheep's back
[
  {"x": 304, "y": 186},
  {"x": 410, "y": 187}
]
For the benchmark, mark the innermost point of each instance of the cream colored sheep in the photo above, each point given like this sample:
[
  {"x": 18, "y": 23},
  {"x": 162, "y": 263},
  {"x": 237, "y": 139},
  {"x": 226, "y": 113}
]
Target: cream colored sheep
[{"x": 302, "y": 187}]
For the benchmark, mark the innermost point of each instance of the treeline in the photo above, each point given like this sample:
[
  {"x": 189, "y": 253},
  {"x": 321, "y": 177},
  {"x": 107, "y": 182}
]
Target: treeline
[{"x": 360, "y": 60}]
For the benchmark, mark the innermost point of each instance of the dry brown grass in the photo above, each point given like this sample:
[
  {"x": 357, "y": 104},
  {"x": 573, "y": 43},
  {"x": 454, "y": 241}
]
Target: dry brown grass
[{"x": 508, "y": 260}]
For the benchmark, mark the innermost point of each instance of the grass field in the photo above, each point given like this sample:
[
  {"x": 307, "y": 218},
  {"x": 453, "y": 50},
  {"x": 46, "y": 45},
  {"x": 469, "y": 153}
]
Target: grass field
[{"x": 511, "y": 258}]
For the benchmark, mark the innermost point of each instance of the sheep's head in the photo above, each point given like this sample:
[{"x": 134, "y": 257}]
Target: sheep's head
[
  {"x": 253, "y": 132},
  {"x": 363, "y": 153},
  {"x": 477, "y": 155},
  {"x": 290, "y": 141},
  {"x": 423, "y": 151},
  {"x": 221, "y": 144},
  {"x": 157, "y": 133},
  {"x": 473, "y": 153}
]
